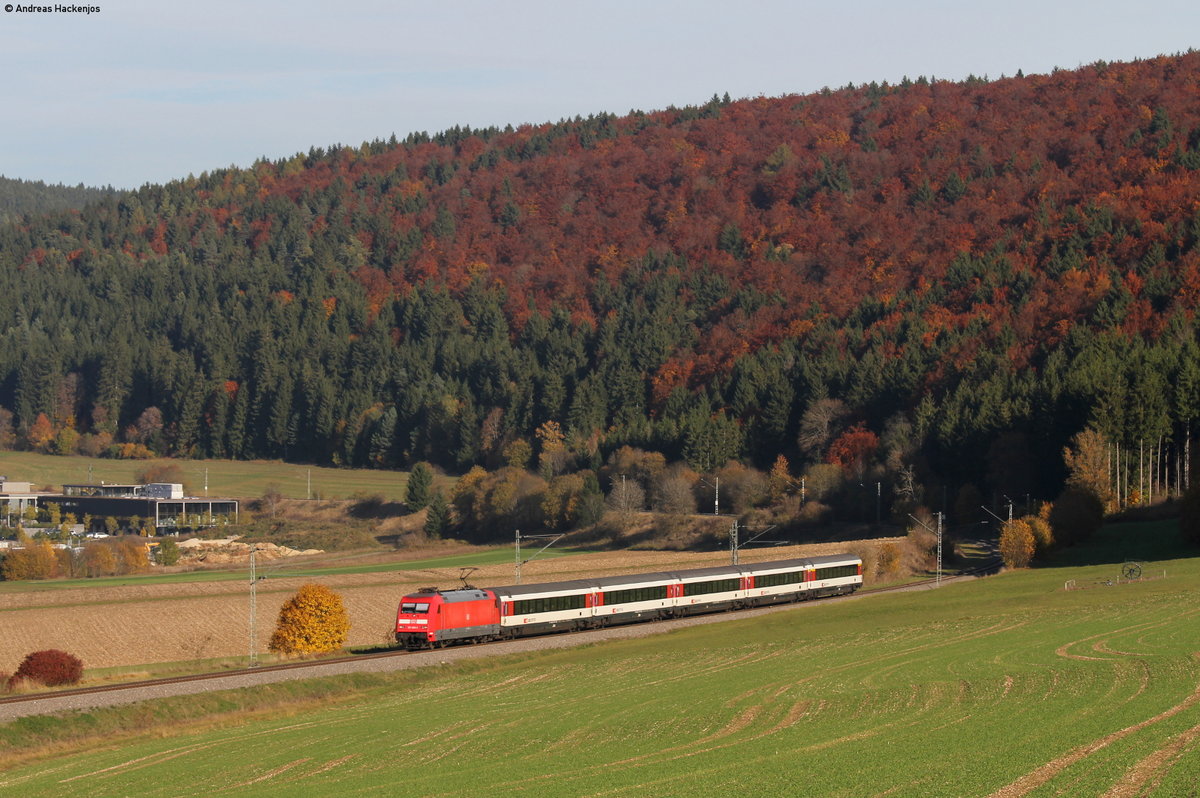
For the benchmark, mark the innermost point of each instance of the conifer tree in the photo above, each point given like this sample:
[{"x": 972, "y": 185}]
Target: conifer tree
[
  {"x": 437, "y": 520},
  {"x": 420, "y": 483}
]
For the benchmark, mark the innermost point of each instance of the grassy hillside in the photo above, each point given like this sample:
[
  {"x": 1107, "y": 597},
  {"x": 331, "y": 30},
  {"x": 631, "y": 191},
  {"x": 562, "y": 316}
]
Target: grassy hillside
[
  {"x": 230, "y": 478},
  {"x": 1005, "y": 686}
]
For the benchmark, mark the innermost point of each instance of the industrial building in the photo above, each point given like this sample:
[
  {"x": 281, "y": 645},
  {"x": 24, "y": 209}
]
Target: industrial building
[
  {"x": 160, "y": 505},
  {"x": 14, "y": 498}
]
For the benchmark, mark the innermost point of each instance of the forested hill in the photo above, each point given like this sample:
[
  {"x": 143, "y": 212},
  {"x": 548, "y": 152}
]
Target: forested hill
[
  {"x": 18, "y": 197},
  {"x": 951, "y": 276}
]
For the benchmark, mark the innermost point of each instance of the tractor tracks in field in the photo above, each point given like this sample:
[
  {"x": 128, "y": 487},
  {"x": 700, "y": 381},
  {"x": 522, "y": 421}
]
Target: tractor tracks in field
[{"x": 1149, "y": 768}]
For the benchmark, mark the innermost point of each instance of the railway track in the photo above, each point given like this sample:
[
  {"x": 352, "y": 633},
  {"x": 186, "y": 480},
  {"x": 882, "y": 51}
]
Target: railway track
[
  {"x": 15, "y": 706},
  {"x": 196, "y": 677}
]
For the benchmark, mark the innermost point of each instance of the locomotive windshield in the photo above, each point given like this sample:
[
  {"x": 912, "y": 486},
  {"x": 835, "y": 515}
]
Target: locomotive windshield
[{"x": 414, "y": 607}]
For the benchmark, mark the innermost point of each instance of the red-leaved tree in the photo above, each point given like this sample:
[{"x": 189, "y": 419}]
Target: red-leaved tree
[{"x": 853, "y": 450}]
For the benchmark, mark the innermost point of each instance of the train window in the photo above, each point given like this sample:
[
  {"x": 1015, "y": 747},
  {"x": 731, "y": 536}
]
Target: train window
[
  {"x": 551, "y": 604},
  {"x": 716, "y": 586},
  {"x": 635, "y": 594},
  {"x": 413, "y": 607},
  {"x": 837, "y": 571},
  {"x": 775, "y": 580}
]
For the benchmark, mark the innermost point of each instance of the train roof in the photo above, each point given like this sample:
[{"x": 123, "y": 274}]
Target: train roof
[
  {"x": 718, "y": 571},
  {"x": 450, "y": 596},
  {"x": 802, "y": 562},
  {"x": 545, "y": 587}
]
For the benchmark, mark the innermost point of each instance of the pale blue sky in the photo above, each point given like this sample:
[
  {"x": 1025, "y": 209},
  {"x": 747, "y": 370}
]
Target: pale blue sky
[{"x": 148, "y": 91}]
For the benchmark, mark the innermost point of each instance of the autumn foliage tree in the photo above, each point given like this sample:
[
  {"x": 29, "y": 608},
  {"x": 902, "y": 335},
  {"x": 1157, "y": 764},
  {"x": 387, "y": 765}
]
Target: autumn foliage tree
[
  {"x": 1017, "y": 544},
  {"x": 35, "y": 561},
  {"x": 1043, "y": 535},
  {"x": 1086, "y": 460},
  {"x": 853, "y": 450},
  {"x": 41, "y": 434},
  {"x": 311, "y": 622}
]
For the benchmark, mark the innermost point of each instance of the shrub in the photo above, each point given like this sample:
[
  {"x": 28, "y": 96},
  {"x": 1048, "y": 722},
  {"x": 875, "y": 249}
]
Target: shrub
[
  {"x": 311, "y": 622},
  {"x": 50, "y": 667},
  {"x": 1043, "y": 536},
  {"x": 673, "y": 490},
  {"x": 921, "y": 545},
  {"x": 889, "y": 562},
  {"x": 132, "y": 556},
  {"x": 1017, "y": 544},
  {"x": 35, "y": 561},
  {"x": 168, "y": 552},
  {"x": 1076, "y": 515},
  {"x": 99, "y": 559}
]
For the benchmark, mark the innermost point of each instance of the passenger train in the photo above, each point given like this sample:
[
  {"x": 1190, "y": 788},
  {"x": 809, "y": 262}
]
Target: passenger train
[{"x": 432, "y": 618}]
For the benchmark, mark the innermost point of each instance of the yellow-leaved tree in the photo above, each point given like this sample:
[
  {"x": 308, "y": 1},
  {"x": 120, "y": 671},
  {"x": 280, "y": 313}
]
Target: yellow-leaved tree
[
  {"x": 311, "y": 622},
  {"x": 1017, "y": 544}
]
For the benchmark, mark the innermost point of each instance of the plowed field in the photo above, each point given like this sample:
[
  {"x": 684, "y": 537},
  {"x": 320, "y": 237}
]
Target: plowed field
[{"x": 141, "y": 624}]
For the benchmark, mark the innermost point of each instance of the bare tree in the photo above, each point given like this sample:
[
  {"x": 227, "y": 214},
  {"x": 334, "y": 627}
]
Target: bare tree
[
  {"x": 819, "y": 425},
  {"x": 673, "y": 490},
  {"x": 627, "y": 497}
]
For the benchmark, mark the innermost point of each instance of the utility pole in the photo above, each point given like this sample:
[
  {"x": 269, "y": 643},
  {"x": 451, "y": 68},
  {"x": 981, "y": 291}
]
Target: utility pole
[
  {"x": 716, "y": 493},
  {"x": 520, "y": 562},
  {"x": 735, "y": 545},
  {"x": 938, "y": 532},
  {"x": 255, "y": 578},
  {"x": 939, "y": 559},
  {"x": 253, "y": 608}
]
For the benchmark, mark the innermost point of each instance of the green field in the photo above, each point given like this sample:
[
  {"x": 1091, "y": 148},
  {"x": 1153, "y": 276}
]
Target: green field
[
  {"x": 1007, "y": 685},
  {"x": 231, "y": 478}
]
